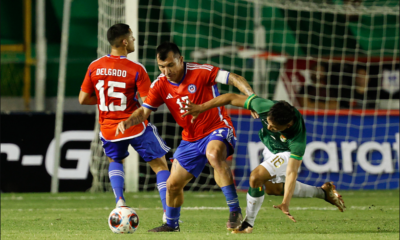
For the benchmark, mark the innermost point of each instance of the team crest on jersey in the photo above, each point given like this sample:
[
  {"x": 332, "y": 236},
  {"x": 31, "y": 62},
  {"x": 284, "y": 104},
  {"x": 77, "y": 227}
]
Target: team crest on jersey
[
  {"x": 283, "y": 139},
  {"x": 192, "y": 88}
]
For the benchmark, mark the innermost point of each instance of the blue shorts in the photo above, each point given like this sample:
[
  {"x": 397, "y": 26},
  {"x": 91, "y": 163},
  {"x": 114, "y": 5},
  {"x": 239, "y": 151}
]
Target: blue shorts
[
  {"x": 149, "y": 145},
  {"x": 192, "y": 155}
]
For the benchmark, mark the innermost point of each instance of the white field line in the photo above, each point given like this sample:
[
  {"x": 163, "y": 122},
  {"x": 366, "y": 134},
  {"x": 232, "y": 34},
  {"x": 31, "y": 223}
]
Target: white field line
[
  {"x": 20, "y": 198},
  {"x": 362, "y": 208}
]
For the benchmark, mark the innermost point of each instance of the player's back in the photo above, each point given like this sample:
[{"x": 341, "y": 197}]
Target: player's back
[
  {"x": 197, "y": 85},
  {"x": 116, "y": 81}
]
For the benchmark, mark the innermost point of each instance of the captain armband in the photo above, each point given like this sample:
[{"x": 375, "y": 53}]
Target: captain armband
[{"x": 222, "y": 77}]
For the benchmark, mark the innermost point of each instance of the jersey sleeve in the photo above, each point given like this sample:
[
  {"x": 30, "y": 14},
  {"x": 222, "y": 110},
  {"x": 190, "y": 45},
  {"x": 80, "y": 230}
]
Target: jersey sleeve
[
  {"x": 154, "y": 99},
  {"x": 297, "y": 145},
  {"x": 212, "y": 75},
  {"x": 87, "y": 85},
  {"x": 257, "y": 104},
  {"x": 143, "y": 82}
]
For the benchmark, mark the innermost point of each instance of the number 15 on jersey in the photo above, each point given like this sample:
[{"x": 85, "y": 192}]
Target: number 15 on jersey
[{"x": 111, "y": 93}]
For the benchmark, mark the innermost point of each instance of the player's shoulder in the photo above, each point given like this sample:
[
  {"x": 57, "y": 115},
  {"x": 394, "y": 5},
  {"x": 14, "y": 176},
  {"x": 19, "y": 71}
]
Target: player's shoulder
[
  {"x": 136, "y": 65},
  {"x": 197, "y": 67},
  {"x": 159, "y": 81},
  {"x": 98, "y": 61}
]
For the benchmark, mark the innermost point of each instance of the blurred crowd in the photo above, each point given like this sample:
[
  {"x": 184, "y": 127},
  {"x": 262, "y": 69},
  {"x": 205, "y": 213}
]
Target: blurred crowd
[{"x": 349, "y": 86}]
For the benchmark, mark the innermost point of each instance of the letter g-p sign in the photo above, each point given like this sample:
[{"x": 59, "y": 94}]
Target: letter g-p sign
[{"x": 80, "y": 155}]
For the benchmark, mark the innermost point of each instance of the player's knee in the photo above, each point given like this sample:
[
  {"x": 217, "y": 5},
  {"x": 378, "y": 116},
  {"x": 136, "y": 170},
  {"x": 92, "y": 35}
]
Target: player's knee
[
  {"x": 173, "y": 186},
  {"x": 255, "y": 181},
  {"x": 214, "y": 158}
]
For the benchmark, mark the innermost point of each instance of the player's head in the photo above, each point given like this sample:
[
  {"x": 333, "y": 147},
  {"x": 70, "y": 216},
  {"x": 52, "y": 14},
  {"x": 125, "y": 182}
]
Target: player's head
[
  {"x": 280, "y": 116},
  {"x": 170, "y": 61},
  {"x": 120, "y": 36}
]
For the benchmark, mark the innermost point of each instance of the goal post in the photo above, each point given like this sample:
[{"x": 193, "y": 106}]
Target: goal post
[{"x": 132, "y": 161}]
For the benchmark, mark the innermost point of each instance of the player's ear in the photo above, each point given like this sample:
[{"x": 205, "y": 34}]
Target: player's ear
[{"x": 181, "y": 59}]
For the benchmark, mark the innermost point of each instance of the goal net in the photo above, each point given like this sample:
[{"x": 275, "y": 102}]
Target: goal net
[
  {"x": 337, "y": 61},
  {"x": 110, "y": 13}
]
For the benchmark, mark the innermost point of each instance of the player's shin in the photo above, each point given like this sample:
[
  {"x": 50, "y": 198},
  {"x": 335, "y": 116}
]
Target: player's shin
[
  {"x": 117, "y": 175},
  {"x": 231, "y": 198},
  {"x": 255, "y": 198},
  {"x": 302, "y": 190},
  {"x": 162, "y": 177}
]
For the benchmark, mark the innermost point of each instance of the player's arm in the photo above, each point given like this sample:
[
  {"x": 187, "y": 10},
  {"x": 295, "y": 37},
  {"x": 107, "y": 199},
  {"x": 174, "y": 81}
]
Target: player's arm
[
  {"x": 240, "y": 83},
  {"x": 138, "y": 116},
  {"x": 87, "y": 99},
  {"x": 87, "y": 95},
  {"x": 222, "y": 100},
  {"x": 290, "y": 183}
]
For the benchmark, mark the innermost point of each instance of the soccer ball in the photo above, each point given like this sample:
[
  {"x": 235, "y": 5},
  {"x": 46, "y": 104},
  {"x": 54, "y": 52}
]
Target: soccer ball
[{"x": 123, "y": 220}]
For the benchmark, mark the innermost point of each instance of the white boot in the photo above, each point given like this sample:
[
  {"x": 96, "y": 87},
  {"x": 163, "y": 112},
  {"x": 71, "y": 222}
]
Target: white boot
[{"x": 120, "y": 203}]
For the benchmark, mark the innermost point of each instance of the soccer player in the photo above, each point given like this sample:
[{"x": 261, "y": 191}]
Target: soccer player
[
  {"x": 284, "y": 137},
  {"x": 211, "y": 138},
  {"x": 112, "y": 82}
]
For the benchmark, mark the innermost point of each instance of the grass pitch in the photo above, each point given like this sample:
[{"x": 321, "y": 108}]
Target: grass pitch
[{"x": 369, "y": 215}]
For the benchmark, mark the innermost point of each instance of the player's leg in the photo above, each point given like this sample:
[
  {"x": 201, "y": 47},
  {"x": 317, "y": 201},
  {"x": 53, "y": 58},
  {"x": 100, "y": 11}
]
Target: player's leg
[
  {"x": 116, "y": 153},
  {"x": 160, "y": 168},
  {"x": 301, "y": 190},
  {"x": 188, "y": 163},
  {"x": 254, "y": 197},
  {"x": 152, "y": 149},
  {"x": 175, "y": 184},
  {"x": 220, "y": 145},
  {"x": 266, "y": 171},
  {"x": 326, "y": 192},
  {"x": 117, "y": 179},
  {"x": 216, "y": 154}
]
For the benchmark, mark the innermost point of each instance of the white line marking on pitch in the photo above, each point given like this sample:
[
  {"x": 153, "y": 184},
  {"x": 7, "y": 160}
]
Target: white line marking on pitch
[{"x": 20, "y": 198}]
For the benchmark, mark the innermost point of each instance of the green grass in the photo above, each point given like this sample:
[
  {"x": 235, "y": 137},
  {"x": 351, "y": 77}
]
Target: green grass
[{"x": 369, "y": 215}]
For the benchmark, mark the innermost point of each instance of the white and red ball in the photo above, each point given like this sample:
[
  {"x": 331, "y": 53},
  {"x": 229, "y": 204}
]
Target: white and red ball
[{"x": 123, "y": 220}]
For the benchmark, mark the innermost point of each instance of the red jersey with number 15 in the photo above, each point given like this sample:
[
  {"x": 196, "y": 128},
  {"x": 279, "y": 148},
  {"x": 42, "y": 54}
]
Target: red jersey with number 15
[
  {"x": 116, "y": 81},
  {"x": 198, "y": 84}
]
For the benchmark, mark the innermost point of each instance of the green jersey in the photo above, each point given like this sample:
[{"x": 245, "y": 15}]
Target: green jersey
[{"x": 291, "y": 140}]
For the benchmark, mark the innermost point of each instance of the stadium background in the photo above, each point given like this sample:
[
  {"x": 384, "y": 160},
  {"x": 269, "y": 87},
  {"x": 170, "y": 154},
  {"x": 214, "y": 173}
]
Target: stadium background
[{"x": 83, "y": 49}]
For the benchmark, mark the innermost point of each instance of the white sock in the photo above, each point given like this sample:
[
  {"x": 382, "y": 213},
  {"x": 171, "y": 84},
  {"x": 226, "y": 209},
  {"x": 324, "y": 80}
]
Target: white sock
[
  {"x": 253, "y": 206},
  {"x": 302, "y": 190}
]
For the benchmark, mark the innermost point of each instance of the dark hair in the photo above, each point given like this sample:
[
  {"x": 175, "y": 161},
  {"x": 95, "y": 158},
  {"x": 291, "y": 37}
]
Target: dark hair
[
  {"x": 115, "y": 32},
  {"x": 164, "y": 48},
  {"x": 281, "y": 113}
]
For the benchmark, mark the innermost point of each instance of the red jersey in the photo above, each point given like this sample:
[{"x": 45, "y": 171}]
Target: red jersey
[
  {"x": 116, "y": 81},
  {"x": 198, "y": 84}
]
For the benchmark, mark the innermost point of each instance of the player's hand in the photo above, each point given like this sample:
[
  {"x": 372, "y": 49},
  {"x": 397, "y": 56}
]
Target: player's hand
[
  {"x": 191, "y": 109},
  {"x": 254, "y": 114},
  {"x": 285, "y": 209},
  {"x": 120, "y": 128}
]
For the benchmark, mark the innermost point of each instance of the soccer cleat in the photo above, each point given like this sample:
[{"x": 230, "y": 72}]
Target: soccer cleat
[
  {"x": 121, "y": 202},
  {"x": 235, "y": 218},
  {"x": 332, "y": 196},
  {"x": 165, "y": 228},
  {"x": 245, "y": 227}
]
